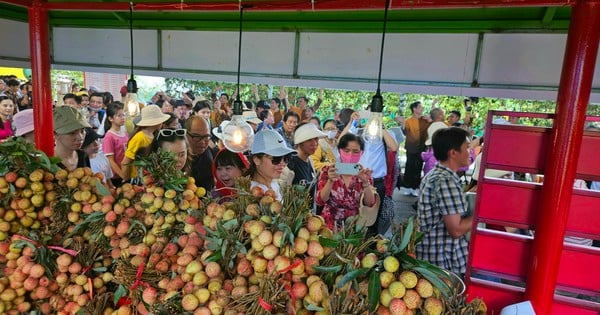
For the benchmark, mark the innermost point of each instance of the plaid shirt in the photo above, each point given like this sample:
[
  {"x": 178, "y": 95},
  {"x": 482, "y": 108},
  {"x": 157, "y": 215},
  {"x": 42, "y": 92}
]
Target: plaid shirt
[{"x": 441, "y": 194}]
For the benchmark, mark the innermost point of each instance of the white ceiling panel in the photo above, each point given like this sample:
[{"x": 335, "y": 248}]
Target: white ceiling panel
[
  {"x": 528, "y": 59},
  {"x": 105, "y": 47},
  {"x": 14, "y": 37},
  {"x": 410, "y": 57},
  {"x": 262, "y": 52}
]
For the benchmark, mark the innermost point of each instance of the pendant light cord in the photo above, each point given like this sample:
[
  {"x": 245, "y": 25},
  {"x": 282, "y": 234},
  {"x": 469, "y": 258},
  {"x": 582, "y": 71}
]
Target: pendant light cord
[
  {"x": 239, "y": 53},
  {"x": 131, "y": 35},
  {"x": 387, "y": 4}
]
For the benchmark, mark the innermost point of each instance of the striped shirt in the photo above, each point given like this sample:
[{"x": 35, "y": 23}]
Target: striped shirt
[{"x": 441, "y": 194}]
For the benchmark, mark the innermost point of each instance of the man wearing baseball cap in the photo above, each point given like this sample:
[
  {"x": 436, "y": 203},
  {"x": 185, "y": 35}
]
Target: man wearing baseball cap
[{"x": 300, "y": 170}]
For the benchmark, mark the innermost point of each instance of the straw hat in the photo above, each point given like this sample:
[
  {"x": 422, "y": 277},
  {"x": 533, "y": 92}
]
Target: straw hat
[
  {"x": 432, "y": 129},
  {"x": 306, "y": 132},
  {"x": 152, "y": 116},
  {"x": 250, "y": 116}
]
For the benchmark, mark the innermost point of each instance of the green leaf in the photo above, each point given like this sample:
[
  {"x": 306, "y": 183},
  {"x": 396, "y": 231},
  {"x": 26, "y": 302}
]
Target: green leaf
[
  {"x": 328, "y": 242},
  {"x": 434, "y": 279},
  {"x": 374, "y": 291},
  {"x": 216, "y": 256},
  {"x": 121, "y": 292},
  {"x": 99, "y": 269},
  {"x": 352, "y": 275},
  {"x": 297, "y": 225},
  {"x": 313, "y": 308},
  {"x": 324, "y": 269},
  {"x": 214, "y": 244},
  {"x": 355, "y": 239},
  {"x": 407, "y": 233},
  {"x": 228, "y": 225},
  {"x": 102, "y": 190}
]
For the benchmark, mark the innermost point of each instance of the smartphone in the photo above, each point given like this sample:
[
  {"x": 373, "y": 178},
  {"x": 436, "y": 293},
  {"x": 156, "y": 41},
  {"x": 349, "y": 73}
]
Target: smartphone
[
  {"x": 347, "y": 168},
  {"x": 364, "y": 114}
]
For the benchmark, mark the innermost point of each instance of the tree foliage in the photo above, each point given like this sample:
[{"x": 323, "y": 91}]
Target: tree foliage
[{"x": 394, "y": 103}]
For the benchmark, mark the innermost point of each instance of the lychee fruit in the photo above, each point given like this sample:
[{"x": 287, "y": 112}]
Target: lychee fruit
[
  {"x": 433, "y": 306},
  {"x": 409, "y": 279},
  {"x": 424, "y": 288},
  {"x": 412, "y": 299}
]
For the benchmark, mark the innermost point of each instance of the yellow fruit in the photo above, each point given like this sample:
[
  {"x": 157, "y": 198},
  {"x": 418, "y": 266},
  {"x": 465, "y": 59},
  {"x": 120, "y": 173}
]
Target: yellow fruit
[
  {"x": 200, "y": 192},
  {"x": 391, "y": 264}
]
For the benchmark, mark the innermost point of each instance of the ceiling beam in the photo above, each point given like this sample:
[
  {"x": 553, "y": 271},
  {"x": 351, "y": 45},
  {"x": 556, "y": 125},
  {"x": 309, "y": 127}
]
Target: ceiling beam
[{"x": 282, "y": 5}]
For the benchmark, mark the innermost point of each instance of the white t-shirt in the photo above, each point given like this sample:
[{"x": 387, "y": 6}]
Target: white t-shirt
[
  {"x": 274, "y": 186},
  {"x": 100, "y": 164},
  {"x": 374, "y": 157}
]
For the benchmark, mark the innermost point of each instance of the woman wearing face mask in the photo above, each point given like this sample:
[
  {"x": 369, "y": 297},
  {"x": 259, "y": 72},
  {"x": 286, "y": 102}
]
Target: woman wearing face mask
[
  {"x": 270, "y": 155},
  {"x": 327, "y": 152},
  {"x": 227, "y": 167},
  {"x": 340, "y": 194}
]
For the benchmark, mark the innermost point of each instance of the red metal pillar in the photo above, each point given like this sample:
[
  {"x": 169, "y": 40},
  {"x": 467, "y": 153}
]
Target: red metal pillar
[
  {"x": 573, "y": 96},
  {"x": 39, "y": 46}
]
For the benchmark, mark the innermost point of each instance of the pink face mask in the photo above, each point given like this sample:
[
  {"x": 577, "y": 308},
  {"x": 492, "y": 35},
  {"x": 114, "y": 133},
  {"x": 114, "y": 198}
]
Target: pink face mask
[{"x": 350, "y": 157}]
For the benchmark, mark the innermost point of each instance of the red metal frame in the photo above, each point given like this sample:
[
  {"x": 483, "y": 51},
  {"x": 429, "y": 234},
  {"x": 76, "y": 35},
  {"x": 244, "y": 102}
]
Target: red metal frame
[
  {"x": 39, "y": 42},
  {"x": 299, "y": 5},
  {"x": 573, "y": 96}
]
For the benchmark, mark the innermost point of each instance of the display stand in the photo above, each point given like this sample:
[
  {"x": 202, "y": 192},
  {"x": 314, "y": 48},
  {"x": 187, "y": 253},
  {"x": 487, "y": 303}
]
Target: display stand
[{"x": 499, "y": 261}]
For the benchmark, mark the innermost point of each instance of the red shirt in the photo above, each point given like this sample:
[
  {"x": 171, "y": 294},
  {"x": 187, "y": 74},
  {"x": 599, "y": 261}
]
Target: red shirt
[{"x": 343, "y": 200}]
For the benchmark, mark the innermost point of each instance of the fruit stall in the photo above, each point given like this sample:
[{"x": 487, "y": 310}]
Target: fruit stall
[
  {"x": 107, "y": 239},
  {"x": 68, "y": 245}
]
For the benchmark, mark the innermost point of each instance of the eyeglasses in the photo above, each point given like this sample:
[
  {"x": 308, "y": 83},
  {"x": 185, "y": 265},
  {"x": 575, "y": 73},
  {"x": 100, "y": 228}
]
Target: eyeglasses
[
  {"x": 199, "y": 137},
  {"x": 277, "y": 159},
  {"x": 172, "y": 132}
]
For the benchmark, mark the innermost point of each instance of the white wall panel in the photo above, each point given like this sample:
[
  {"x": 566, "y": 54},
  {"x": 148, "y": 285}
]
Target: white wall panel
[
  {"x": 412, "y": 57},
  {"x": 14, "y": 37},
  {"x": 105, "y": 47},
  {"x": 262, "y": 52}
]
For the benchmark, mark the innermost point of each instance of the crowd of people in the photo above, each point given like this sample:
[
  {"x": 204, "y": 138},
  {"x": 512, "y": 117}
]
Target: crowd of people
[{"x": 291, "y": 147}]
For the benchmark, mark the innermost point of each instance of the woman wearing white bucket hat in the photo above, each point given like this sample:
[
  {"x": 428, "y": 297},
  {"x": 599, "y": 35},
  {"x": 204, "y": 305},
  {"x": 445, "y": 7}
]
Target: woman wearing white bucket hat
[
  {"x": 151, "y": 120},
  {"x": 270, "y": 155}
]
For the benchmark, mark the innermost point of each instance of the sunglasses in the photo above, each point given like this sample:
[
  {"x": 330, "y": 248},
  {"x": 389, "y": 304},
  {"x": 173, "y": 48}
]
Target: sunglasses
[
  {"x": 172, "y": 132},
  {"x": 277, "y": 159}
]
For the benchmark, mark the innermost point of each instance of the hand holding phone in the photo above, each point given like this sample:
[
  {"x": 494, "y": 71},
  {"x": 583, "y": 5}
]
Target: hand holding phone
[{"x": 347, "y": 168}]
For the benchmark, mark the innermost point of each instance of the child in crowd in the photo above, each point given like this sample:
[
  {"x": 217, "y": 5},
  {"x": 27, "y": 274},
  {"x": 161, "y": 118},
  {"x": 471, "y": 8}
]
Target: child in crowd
[
  {"x": 98, "y": 161},
  {"x": 115, "y": 141},
  {"x": 151, "y": 120},
  {"x": 227, "y": 167}
]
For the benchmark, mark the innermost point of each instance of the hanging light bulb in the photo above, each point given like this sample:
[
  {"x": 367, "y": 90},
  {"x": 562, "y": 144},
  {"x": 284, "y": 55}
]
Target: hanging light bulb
[
  {"x": 373, "y": 131},
  {"x": 238, "y": 135},
  {"x": 132, "y": 107}
]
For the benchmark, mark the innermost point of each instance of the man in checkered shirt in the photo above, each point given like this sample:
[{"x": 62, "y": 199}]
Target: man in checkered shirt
[{"x": 442, "y": 208}]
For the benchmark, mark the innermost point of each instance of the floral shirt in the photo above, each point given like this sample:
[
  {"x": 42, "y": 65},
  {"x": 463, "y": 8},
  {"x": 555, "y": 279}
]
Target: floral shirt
[{"x": 343, "y": 200}]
